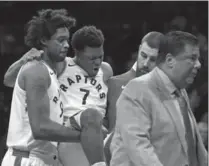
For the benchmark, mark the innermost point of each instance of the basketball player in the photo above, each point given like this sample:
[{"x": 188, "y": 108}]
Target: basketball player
[
  {"x": 36, "y": 110},
  {"x": 84, "y": 89},
  {"x": 83, "y": 83}
]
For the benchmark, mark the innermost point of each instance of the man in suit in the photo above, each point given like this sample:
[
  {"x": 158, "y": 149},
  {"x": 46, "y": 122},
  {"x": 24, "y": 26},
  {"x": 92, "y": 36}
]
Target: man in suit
[
  {"x": 155, "y": 125},
  {"x": 147, "y": 54}
]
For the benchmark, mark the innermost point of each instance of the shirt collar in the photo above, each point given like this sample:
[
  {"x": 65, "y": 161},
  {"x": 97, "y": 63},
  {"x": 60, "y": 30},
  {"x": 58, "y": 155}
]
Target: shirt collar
[{"x": 134, "y": 66}]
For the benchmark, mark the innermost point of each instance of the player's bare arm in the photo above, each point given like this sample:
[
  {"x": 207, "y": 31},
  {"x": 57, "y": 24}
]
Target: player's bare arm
[
  {"x": 36, "y": 83},
  {"x": 11, "y": 74}
]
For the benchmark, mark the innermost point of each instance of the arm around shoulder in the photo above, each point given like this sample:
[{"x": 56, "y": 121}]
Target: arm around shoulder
[{"x": 11, "y": 74}]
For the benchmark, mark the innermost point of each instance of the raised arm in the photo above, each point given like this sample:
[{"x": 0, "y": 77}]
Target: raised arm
[
  {"x": 36, "y": 83},
  {"x": 11, "y": 74}
]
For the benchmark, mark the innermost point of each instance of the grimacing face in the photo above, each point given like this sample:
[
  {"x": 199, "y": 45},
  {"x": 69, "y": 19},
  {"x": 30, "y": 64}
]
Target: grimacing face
[
  {"x": 90, "y": 59},
  {"x": 146, "y": 58},
  {"x": 58, "y": 46},
  {"x": 186, "y": 65}
]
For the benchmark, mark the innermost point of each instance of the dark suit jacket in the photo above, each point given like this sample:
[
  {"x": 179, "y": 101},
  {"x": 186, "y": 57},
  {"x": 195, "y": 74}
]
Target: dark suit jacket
[{"x": 115, "y": 87}]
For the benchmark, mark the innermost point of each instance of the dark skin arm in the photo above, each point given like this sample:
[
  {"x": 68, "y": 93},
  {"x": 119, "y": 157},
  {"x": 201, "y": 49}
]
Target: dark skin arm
[
  {"x": 11, "y": 74},
  {"x": 36, "y": 81}
]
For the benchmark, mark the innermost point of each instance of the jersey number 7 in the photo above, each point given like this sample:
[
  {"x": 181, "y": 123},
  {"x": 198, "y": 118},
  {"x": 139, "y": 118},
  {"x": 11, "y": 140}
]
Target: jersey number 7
[{"x": 85, "y": 95}]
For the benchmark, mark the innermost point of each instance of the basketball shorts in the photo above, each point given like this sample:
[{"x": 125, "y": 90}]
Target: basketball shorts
[{"x": 15, "y": 157}]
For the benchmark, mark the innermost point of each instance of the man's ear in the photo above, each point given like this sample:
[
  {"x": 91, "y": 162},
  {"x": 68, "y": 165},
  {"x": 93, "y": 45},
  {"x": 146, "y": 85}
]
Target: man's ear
[
  {"x": 170, "y": 60},
  {"x": 44, "y": 41}
]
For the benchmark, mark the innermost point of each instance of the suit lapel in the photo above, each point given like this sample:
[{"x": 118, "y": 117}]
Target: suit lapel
[
  {"x": 170, "y": 106},
  {"x": 172, "y": 110}
]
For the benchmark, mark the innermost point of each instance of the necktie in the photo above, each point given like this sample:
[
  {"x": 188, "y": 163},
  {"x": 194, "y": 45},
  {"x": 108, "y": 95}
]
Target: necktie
[{"x": 191, "y": 150}]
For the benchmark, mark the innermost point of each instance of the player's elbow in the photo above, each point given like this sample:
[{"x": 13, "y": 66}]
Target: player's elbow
[{"x": 38, "y": 131}]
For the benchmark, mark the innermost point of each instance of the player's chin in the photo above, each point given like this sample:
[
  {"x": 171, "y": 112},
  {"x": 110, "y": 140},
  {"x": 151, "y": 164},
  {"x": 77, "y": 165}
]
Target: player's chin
[{"x": 62, "y": 57}]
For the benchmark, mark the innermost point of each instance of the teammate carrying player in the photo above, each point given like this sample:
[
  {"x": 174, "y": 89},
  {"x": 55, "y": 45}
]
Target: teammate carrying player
[
  {"x": 83, "y": 83},
  {"x": 35, "y": 124}
]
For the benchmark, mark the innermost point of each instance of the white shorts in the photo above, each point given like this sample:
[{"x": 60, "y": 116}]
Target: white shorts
[
  {"x": 18, "y": 158},
  {"x": 72, "y": 154}
]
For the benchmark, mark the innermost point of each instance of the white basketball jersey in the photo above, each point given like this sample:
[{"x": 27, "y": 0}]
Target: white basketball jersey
[
  {"x": 79, "y": 91},
  {"x": 19, "y": 134}
]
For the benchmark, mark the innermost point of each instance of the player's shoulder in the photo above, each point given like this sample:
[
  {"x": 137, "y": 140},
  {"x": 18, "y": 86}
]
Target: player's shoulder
[
  {"x": 107, "y": 70},
  {"x": 35, "y": 69}
]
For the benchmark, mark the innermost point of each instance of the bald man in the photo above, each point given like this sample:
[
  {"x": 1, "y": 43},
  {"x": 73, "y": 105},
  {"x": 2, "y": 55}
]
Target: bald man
[{"x": 147, "y": 54}]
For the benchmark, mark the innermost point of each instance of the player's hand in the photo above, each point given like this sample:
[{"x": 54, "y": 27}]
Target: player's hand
[
  {"x": 32, "y": 54},
  {"x": 104, "y": 131}
]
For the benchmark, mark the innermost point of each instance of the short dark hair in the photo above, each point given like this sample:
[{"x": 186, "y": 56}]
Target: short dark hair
[
  {"x": 152, "y": 39},
  {"x": 174, "y": 42},
  {"x": 45, "y": 25},
  {"x": 87, "y": 36}
]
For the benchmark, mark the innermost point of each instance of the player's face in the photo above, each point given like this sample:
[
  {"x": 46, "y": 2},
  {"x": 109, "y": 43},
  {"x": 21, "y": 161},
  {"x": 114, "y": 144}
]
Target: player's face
[
  {"x": 185, "y": 66},
  {"x": 146, "y": 58},
  {"x": 58, "y": 46},
  {"x": 90, "y": 59}
]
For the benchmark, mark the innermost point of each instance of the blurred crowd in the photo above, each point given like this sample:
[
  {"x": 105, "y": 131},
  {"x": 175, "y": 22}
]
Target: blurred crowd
[{"x": 121, "y": 49}]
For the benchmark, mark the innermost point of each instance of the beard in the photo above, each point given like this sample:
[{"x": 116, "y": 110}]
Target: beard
[{"x": 141, "y": 71}]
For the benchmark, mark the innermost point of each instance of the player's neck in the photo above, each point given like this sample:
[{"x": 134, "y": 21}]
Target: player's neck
[
  {"x": 49, "y": 62},
  {"x": 60, "y": 67}
]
